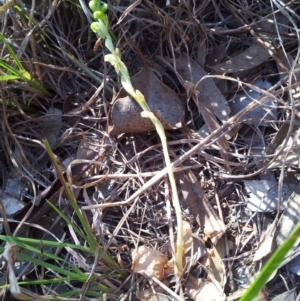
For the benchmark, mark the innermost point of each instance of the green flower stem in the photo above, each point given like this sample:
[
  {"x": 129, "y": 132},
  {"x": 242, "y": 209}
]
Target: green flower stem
[
  {"x": 100, "y": 27},
  {"x": 179, "y": 243}
]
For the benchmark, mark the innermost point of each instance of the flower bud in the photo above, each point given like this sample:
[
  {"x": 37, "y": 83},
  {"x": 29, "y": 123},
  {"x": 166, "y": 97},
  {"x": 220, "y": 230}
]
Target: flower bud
[
  {"x": 97, "y": 28},
  {"x": 104, "y": 8},
  {"x": 98, "y": 15},
  {"x": 94, "y": 5}
]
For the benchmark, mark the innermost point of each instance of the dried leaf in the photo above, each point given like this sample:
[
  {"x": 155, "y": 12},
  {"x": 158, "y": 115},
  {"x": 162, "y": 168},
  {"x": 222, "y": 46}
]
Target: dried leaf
[
  {"x": 129, "y": 9},
  {"x": 263, "y": 195},
  {"x": 52, "y": 126},
  {"x": 159, "y": 297},
  {"x": 262, "y": 296},
  {"x": 294, "y": 265},
  {"x": 266, "y": 111},
  {"x": 202, "y": 50},
  {"x": 125, "y": 114},
  {"x": 216, "y": 56},
  {"x": 286, "y": 296},
  {"x": 217, "y": 266},
  {"x": 292, "y": 159},
  {"x": 289, "y": 218},
  {"x": 199, "y": 250},
  {"x": 208, "y": 94},
  {"x": 268, "y": 31},
  {"x": 251, "y": 57},
  {"x": 265, "y": 245},
  {"x": 20, "y": 293},
  {"x": 284, "y": 65},
  {"x": 210, "y": 102},
  {"x": 11, "y": 204},
  {"x": 156, "y": 292},
  {"x": 203, "y": 290},
  {"x": 200, "y": 207},
  {"x": 88, "y": 148},
  {"x": 149, "y": 262}
]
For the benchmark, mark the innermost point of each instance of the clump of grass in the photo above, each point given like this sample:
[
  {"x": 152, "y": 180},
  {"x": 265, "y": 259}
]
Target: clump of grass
[
  {"x": 18, "y": 72},
  {"x": 63, "y": 271}
]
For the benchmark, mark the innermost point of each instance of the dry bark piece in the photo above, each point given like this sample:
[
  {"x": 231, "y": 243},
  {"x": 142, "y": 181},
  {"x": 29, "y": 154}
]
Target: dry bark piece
[
  {"x": 251, "y": 57},
  {"x": 200, "y": 207},
  {"x": 125, "y": 113}
]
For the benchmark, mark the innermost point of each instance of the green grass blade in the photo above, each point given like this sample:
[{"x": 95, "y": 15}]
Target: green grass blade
[
  {"x": 71, "y": 272},
  {"x": 11, "y": 52},
  {"x": 32, "y": 249},
  {"x": 70, "y": 293},
  {"x": 8, "y": 77},
  {"x": 67, "y": 220},
  {"x": 87, "y": 71},
  {"x": 22, "y": 73},
  {"x": 46, "y": 243},
  {"x": 91, "y": 238},
  {"x": 36, "y": 84},
  {"x": 36, "y": 23},
  {"x": 10, "y": 69},
  {"x": 50, "y": 266},
  {"x": 271, "y": 266},
  {"x": 53, "y": 280},
  {"x": 46, "y": 255}
]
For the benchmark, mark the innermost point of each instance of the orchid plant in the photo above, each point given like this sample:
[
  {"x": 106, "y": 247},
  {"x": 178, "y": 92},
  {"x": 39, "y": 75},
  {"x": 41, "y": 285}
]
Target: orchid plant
[{"x": 100, "y": 27}]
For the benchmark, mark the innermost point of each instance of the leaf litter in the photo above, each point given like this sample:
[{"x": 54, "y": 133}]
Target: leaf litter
[{"x": 236, "y": 204}]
